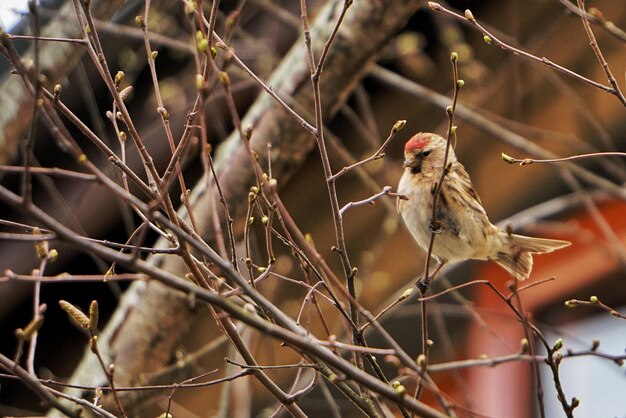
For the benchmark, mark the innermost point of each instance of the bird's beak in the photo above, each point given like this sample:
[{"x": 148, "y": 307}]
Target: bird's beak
[
  {"x": 414, "y": 163},
  {"x": 411, "y": 161}
]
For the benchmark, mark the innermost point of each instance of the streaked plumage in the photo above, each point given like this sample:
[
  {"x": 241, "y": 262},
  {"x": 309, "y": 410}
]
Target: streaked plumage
[{"x": 464, "y": 230}]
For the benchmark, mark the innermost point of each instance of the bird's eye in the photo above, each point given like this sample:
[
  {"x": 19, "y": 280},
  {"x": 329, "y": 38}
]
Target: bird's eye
[{"x": 426, "y": 153}]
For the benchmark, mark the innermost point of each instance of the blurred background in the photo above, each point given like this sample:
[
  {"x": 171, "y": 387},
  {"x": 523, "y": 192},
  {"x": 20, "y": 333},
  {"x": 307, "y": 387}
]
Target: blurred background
[{"x": 509, "y": 102}]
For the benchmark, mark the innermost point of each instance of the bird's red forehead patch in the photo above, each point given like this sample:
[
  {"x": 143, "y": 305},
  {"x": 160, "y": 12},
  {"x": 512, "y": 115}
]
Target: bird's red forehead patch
[{"x": 417, "y": 142}]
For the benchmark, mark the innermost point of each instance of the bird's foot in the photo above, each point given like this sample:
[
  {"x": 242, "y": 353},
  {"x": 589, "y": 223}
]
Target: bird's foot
[
  {"x": 423, "y": 285},
  {"x": 435, "y": 226}
]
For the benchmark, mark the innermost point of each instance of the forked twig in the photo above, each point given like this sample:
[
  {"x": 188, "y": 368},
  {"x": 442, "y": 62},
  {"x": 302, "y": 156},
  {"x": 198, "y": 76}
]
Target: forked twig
[
  {"x": 594, "y": 301},
  {"x": 380, "y": 152},
  {"x": 490, "y": 38},
  {"x": 527, "y": 161},
  {"x": 369, "y": 201}
]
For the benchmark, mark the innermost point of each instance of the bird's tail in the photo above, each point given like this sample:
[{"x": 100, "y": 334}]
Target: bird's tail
[{"x": 519, "y": 261}]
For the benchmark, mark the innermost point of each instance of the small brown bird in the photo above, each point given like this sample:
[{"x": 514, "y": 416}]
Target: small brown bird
[{"x": 462, "y": 227}]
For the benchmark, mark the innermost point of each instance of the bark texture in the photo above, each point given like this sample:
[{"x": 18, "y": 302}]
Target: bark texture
[{"x": 54, "y": 60}]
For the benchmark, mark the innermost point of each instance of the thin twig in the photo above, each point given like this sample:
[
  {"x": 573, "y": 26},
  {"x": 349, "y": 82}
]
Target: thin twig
[
  {"x": 596, "y": 49},
  {"x": 36, "y": 386},
  {"x": 597, "y": 18},
  {"x": 380, "y": 152},
  {"x": 51, "y": 171},
  {"x": 306, "y": 125},
  {"x": 8, "y": 275},
  {"x": 284, "y": 329},
  {"x": 492, "y": 39},
  {"x": 341, "y": 248},
  {"x": 386, "y": 309},
  {"x": 594, "y": 301},
  {"x": 424, "y": 284},
  {"x": 108, "y": 370},
  {"x": 527, "y": 161},
  {"x": 493, "y": 128},
  {"x": 165, "y": 119},
  {"x": 553, "y": 357},
  {"x": 47, "y": 39},
  {"x": 369, "y": 201}
]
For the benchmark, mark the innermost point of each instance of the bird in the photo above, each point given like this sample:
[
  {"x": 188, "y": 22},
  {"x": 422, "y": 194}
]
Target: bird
[{"x": 463, "y": 230}]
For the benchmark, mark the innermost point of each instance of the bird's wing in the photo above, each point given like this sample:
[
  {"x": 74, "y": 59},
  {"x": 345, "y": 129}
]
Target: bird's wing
[
  {"x": 460, "y": 200},
  {"x": 466, "y": 188}
]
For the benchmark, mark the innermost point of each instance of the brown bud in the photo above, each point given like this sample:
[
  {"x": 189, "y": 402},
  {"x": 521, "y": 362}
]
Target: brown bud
[
  {"x": 399, "y": 125},
  {"x": 224, "y": 78},
  {"x": 119, "y": 77},
  {"x": 163, "y": 112},
  {"x": 524, "y": 346},
  {"x": 421, "y": 361},
  {"x": 248, "y": 132},
  {"x": 399, "y": 388},
  {"x": 57, "y": 91},
  {"x": 595, "y": 344},
  {"x": 435, "y": 6},
  {"x": 596, "y": 13},
  {"x": 40, "y": 246},
  {"x": 507, "y": 158},
  {"x": 53, "y": 254},
  {"x": 140, "y": 21}
]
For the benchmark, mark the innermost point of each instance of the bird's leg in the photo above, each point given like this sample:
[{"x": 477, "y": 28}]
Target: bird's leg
[
  {"x": 439, "y": 267},
  {"x": 423, "y": 283}
]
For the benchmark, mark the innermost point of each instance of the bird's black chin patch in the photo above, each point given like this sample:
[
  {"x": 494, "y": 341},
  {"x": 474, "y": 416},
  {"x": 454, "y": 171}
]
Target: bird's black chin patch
[{"x": 417, "y": 168}]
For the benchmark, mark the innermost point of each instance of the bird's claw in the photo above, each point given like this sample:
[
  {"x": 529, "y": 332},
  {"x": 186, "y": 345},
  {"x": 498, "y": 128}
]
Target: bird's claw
[
  {"x": 435, "y": 226},
  {"x": 423, "y": 284}
]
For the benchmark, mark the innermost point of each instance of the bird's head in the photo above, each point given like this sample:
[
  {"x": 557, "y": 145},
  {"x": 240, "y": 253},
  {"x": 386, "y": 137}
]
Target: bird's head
[{"x": 424, "y": 153}]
